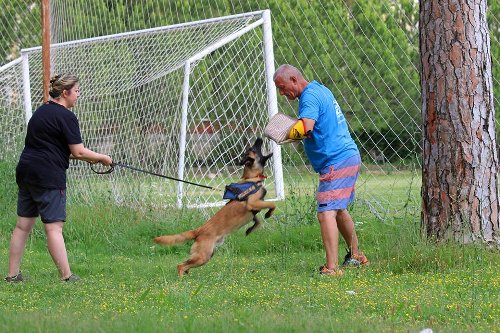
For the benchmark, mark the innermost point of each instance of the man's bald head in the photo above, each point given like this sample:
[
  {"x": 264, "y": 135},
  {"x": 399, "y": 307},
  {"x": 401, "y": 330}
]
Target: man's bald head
[
  {"x": 286, "y": 71},
  {"x": 289, "y": 81}
]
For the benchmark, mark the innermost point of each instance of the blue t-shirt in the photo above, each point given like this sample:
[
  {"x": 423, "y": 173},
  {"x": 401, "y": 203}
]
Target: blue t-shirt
[
  {"x": 331, "y": 141},
  {"x": 45, "y": 156}
]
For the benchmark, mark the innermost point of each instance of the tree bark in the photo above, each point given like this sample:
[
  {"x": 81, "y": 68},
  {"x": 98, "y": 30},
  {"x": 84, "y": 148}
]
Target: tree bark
[{"x": 460, "y": 158}]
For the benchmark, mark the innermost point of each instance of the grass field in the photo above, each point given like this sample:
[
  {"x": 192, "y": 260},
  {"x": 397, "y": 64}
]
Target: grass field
[{"x": 266, "y": 282}]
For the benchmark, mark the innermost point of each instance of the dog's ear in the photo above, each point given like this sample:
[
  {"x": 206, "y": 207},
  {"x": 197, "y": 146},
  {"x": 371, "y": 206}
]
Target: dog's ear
[
  {"x": 265, "y": 158},
  {"x": 247, "y": 160}
]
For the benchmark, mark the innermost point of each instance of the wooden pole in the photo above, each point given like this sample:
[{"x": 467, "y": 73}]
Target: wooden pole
[{"x": 46, "y": 48}]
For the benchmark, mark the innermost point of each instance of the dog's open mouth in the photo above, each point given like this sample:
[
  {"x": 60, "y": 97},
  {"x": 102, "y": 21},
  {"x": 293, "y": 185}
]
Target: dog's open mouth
[{"x": 258, "y": 156}]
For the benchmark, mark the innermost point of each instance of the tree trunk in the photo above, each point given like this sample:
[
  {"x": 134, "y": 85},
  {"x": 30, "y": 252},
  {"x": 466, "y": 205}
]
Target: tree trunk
[{"x": 460, "y": 159}]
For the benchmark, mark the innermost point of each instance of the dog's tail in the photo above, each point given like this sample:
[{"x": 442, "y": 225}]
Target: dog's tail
[{"x": 175, "y": 239}]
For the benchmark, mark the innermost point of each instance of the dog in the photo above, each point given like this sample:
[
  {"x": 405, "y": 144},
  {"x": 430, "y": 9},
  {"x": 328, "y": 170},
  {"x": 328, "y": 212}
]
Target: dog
[{"x": 231, "y": 217}]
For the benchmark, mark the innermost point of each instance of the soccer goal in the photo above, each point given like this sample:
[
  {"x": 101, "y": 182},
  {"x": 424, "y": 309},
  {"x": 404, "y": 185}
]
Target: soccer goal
[
  {"x": 183, "y": 100},
  {"x": 12, "y": 118}
]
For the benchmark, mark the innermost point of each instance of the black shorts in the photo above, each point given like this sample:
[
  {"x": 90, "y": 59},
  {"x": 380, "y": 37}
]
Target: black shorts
[{"x": 50, "y": 204}]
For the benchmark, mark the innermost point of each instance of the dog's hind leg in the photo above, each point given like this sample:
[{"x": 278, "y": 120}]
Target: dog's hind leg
[
  {"x": 218, "y": 244},
  {"x": 201, "y": 252},
  {"x": 256, "y": 224}
]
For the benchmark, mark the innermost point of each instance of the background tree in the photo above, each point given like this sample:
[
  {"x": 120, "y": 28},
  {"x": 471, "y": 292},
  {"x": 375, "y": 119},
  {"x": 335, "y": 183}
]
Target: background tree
[
  {"x": 19, "y": 28},
  {"x": 365, "y": 51},
  {"x": 460, "y": 162}
]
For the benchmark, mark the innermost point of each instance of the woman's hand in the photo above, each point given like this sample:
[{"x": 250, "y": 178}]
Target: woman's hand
[{"x": 106, "y": 160}]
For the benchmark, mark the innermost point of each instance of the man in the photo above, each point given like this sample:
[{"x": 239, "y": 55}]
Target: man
[{"x": 333, "y": 154}]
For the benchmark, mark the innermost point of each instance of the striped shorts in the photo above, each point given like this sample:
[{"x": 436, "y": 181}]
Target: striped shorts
[{"x": 336, "y": 184}]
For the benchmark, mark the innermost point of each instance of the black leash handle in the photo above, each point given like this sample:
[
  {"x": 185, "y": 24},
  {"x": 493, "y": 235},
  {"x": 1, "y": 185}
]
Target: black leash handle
[
  {"x": 113, "y": 165},
  {"x": 110, "y": 170}
]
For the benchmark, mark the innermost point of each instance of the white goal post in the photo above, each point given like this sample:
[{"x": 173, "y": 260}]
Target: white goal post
[
  {"x": 12, "y": 118},
  {"x": 183, "y": 100}
]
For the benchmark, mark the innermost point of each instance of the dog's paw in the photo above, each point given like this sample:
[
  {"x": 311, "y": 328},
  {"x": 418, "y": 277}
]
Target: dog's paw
[
  {"x": 256, "y": 225},
  {"x": 249, "y": 230},
  {"x": 181, "y": 271}
]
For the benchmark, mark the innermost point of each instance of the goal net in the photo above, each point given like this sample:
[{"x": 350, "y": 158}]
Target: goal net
[
  {"x": 183, "y": 101},
  {"x": 12, "y": 119},
  {"x": 366, "y": 52}
]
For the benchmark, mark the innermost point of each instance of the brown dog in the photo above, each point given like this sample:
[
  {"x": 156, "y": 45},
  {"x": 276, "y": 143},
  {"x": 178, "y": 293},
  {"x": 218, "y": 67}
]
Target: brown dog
[{"x": 229, "y": 218}]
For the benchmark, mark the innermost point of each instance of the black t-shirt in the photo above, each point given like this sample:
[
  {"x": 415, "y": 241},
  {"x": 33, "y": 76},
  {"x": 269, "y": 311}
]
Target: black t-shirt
[{"x": 45, "y": 156}]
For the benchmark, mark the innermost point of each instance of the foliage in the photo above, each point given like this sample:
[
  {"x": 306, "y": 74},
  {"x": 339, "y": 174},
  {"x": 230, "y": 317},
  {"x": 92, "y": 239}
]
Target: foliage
[
  {"x": 493, "y": 14},
  {"x": 365, "y": 51},
  {"x": 20, "y": 27}
]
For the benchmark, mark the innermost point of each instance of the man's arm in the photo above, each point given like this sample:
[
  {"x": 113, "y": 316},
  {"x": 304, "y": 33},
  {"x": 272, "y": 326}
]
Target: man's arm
[
  {"x": 302, "y": 129},
  {"x": 309, "y": 125}
]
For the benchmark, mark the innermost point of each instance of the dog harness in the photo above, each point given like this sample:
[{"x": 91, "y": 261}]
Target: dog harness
[{"x": 241, "y": 191}]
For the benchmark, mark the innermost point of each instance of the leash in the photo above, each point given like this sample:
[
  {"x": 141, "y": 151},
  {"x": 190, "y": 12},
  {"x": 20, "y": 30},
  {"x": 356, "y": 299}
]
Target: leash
[{"x": 113, "y": 165}]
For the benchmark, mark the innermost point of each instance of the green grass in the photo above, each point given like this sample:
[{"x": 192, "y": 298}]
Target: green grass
[{"x": 266, "y": 282}]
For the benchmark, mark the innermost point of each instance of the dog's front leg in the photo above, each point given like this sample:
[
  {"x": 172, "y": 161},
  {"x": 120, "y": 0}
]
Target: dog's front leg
[
  {"x": 269, "y": 212},
  {"x": 256, "y": 224},
  {"x": 260, "y": 205}
]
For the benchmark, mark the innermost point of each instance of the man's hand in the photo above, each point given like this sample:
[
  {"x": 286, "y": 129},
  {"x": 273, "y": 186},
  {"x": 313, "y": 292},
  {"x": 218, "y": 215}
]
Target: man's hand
[{"x": 298, "y": 131}]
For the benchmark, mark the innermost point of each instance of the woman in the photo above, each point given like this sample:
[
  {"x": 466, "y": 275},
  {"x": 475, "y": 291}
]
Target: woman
[{"x": 52, "y": 138}]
